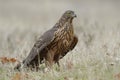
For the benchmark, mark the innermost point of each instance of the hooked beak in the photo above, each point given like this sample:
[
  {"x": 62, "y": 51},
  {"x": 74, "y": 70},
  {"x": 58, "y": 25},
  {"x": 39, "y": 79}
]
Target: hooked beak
[{"x": 74, "y": 15}]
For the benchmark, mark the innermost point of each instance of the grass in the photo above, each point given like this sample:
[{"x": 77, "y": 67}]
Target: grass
[{"x": 96, "y": 56}]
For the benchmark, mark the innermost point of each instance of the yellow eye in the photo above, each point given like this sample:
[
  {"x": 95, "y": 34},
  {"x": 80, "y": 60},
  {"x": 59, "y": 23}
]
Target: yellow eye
[{"x": 69, "y": 13}]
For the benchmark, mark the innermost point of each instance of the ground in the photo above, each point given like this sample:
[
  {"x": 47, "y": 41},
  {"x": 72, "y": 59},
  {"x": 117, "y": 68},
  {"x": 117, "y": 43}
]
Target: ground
[{"x": 96, "y": 56}]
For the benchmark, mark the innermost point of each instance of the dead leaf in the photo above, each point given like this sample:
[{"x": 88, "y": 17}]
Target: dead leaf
[
  {"x": 8, "y": 60},
  {"x": 17, "y": 76},
  {"x": 66, "y": 78},
  {"x": 117, "y": 76},
  {"x": 20, "y": 76},
  {"x": 13, "y": 60},
  {"x": 4, "y": 60}
]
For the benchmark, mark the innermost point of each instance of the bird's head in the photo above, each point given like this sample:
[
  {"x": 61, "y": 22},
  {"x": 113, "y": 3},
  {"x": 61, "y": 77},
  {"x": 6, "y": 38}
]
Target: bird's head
[
  {"x": 69, "y": 14},
  {"x": 66, "y": 17}
]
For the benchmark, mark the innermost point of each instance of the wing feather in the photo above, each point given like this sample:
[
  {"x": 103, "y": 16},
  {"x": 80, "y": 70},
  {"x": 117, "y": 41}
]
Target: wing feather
[
  {"x": 42, "y": 42},
  {"x": 72, "y": 46}
]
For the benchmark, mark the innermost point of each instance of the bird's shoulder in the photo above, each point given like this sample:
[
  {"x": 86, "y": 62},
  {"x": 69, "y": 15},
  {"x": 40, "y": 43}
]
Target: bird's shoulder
[{"x": 47, "y": 37}]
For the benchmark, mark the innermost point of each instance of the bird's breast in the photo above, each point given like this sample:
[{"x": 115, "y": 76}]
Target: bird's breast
[{"x": 64, "y": 37}]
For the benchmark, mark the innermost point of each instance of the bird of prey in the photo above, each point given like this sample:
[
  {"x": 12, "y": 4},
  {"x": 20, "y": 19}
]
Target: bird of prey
[{"x": 54, "y": 44}]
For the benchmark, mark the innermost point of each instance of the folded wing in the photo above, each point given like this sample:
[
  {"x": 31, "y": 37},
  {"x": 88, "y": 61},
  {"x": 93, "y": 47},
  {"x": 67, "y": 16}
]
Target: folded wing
[{"x": 42, "y": 42}]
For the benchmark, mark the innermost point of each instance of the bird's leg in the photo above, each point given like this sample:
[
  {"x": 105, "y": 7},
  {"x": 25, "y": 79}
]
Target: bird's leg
[
  {"x": 36, "y": 66},
  {"x": 56, "y": 59},
  {"x": 58, "y": 63},
  {"x": 49, "y": 60}
]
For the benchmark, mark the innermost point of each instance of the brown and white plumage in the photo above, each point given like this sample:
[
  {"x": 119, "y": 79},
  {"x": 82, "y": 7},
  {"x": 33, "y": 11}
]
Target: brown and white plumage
[{"x": 53, "y": 44}]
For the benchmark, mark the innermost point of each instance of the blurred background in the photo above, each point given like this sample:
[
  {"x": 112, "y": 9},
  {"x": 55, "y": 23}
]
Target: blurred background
[
  {"x": 23, "y": 21},
  {"x": 46, "y": 13},
  {"x": 97, "y": 54}
]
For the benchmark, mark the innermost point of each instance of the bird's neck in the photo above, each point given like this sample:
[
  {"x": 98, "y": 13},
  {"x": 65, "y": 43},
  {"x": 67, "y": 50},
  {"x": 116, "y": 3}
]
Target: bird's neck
[{"x": 63, "y": 21}]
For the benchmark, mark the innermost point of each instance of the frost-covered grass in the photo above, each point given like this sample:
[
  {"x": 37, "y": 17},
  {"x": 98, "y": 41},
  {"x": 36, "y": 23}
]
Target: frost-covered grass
[{"x": 96, "y": 56}]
